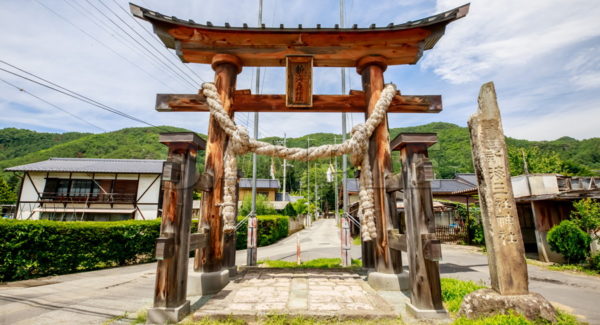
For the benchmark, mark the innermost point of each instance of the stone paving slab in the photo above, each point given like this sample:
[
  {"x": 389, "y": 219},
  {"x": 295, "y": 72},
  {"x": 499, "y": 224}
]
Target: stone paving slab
[{"x": 257, "y": 292}]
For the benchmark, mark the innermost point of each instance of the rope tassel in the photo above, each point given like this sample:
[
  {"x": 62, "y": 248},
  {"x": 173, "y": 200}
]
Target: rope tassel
[{"x": 356, "y": 146}]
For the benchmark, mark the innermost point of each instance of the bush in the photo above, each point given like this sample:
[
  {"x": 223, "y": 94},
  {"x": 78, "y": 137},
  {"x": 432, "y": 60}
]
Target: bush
[
  {"x": 570, "y": 241},
  {"x": 270, "y": 230},
  {"x": 289, "y": 211},
  {"x": 594, "y": 262},
  {"x": 34, "y": 248},
  {"x": 263, "y": 207},
  {"x": 453, "y": 292},
  {"x": 586, "y": 215}
]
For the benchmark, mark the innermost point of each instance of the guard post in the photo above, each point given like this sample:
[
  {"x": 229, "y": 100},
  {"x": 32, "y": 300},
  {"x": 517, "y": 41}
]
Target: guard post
[
  {"x": 424, "y": 250},
  {"x": 172, "y": 247}
]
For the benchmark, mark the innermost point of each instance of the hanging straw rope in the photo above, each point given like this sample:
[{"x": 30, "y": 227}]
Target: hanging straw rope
[{"x": 357, "y": 145}]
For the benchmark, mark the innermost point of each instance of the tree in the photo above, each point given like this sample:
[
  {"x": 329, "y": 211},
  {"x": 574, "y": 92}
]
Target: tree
[
  {"x": 7, "y": 194},
  {"x": 587, "y": 216},
  {"x": 539, "y": 161}
]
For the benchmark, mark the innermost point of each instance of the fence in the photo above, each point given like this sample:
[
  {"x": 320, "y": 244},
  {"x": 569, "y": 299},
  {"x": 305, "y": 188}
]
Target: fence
[{"x": 451, "y": 234}]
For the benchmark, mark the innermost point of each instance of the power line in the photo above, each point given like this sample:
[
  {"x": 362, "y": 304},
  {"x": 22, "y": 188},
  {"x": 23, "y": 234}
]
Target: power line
[
  {"x": 194, "y": 83},
  {"x": 153, "y": 36},
  {"x": 140, "y": 44},
  {"x": 101, "y": 43},
  {"x": 74, "y": 94},
  {"x": 51, "y": 104},
  {"x": 118, "y": 36}
]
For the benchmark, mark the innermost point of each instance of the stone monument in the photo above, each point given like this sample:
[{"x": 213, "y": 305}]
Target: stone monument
[{"x": 503, "y": 239}]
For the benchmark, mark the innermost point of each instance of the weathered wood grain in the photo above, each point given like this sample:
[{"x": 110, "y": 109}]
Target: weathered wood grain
[
  {"x": 210, "y": 259},
  {"x": 173, "y": 243},
  {"x": 243, "y": 101},
  {"x": 423, "y": 249},
  {"x": 386, "y": 260}
]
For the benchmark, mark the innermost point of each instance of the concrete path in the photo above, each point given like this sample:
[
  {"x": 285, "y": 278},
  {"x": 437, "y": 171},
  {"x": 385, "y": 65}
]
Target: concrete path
[
  {"x": 98, "y": 296},
  {"x": 319, "y": 293}
]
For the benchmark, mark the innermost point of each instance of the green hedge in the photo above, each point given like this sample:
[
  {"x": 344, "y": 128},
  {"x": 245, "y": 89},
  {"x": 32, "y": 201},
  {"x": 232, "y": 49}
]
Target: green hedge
[
  {"x": 270, "y": 230},
  {"x": 37, "y": 248},
  {"x": 34, "y": 248}
]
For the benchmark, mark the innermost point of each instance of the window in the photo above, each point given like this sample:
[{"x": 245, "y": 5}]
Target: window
[{"x": 55, "y": 187}]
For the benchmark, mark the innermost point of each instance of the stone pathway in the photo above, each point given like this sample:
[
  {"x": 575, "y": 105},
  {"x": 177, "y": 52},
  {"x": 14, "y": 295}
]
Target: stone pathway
[{"x": 316, "y": 293}]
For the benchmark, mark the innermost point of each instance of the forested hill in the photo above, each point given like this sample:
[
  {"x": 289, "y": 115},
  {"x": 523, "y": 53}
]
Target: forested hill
[{"x": 450, "y": 155}]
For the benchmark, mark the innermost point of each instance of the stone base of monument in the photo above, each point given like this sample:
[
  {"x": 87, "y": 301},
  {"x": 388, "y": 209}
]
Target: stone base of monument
[
  {"x": 166, "y": 315},
  {"x": 388, "y": 282},
  {"x": 486, "y": 302},
  {"x": 206, "y": 283},
  {"x": 426, "y": 313}
]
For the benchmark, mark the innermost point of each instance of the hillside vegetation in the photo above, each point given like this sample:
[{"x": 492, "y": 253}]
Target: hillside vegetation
[{"x": 452, "y": 153}]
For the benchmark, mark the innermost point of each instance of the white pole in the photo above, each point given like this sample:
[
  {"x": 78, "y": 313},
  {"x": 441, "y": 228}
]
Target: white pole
[{"x": 284, "y": 169}]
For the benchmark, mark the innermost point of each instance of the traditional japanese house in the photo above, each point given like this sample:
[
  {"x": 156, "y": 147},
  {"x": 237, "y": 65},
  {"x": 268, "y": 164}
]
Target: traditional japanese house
[{"x": 82, "y": 189}]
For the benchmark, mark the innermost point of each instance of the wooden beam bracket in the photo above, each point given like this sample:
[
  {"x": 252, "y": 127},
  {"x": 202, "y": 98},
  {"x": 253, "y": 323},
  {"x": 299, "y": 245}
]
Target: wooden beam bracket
[
  {"x": 171, "y": 172},
  {"x": 397, "y": 240},
  {"x": 432, "y": 247},
  {"x": 205, "y": 182},
  {"x": 199, "y": 240},
  {"x": 393, "y": 182},
  {"x": 165, "y": 247},
  {"x": 427, "y": 170}
]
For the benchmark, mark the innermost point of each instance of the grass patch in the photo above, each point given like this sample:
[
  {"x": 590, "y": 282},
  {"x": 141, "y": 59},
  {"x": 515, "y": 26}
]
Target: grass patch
[
  {"x": 562, "y": 318},
  {"x": 453, "y": 292},
  {"x": 573, "y": 268},
  {"x": 319, "y": 263}
]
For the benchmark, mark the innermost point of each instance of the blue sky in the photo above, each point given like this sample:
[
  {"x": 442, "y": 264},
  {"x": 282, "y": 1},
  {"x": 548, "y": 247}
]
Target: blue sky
[{"x": 543, "y": 55}]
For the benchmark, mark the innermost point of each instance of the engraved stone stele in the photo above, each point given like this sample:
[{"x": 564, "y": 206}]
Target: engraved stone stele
[{"x": 503, "y": 239}]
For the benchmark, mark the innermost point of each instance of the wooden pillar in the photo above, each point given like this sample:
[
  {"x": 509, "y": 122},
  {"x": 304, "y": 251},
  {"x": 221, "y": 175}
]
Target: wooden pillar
[
  {"x": 371, "y": 69},
  {"x": 172, "y": 248},
  {"x": 424, "y": 250},
  {"x": 211, "y": 259}
]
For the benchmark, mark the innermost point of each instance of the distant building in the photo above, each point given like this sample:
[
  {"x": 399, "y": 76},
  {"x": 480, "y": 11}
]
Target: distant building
[
  {"x": 70, "y": 189},
  {"x": 543, "y": 201},
  {"x": 266, "y": 187},
  {"x": 459, "y": 189}
]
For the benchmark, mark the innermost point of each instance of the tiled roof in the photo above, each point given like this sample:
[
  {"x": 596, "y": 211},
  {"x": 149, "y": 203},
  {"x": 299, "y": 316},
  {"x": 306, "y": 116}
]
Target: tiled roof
[
  {"x": 93, "y": 165},
  {"x": 449, "y": 186},
  {"x": 470, "y": 178},
  {"x": 260, "y": 183}
]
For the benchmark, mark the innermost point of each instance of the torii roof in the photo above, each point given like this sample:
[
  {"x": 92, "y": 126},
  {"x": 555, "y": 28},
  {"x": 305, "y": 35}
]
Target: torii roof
[{"x": 330, "y": 47}]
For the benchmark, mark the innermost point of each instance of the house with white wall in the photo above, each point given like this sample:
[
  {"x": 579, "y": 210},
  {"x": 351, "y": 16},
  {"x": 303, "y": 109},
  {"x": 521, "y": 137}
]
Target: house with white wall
[{"x": 84, "y": 189}]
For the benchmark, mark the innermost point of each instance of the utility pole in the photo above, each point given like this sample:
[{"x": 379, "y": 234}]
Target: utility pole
[
  {"x": 308, "y": 217},
  {"x": 344, "y": 157},
  {"x": 252, "y": 231},
  {"x": 284, "y": 168},
  {"x": 345, "y": 231},
  {"x": 335, "y": 184}
]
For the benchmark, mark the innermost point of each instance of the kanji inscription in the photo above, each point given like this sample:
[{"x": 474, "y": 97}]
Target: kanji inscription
[
  {"x": 299, "y": 81},
  {"x": 503, "y": 239}
]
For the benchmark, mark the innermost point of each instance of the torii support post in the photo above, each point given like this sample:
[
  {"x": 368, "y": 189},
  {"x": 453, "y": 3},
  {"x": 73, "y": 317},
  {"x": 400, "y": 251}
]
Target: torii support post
[
  {"x": 387, "y": 266},
  {"x": 172, "y": 247},
  {"x": 424, "y": 250},
  {"x": 211, "y": 272}
]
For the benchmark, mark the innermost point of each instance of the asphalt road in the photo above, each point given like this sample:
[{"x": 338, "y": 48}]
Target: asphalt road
[{"x": 117, "y": 294}]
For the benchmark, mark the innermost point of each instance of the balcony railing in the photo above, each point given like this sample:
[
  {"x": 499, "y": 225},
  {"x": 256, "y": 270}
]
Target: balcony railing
[{"x": 88, "y": 197}]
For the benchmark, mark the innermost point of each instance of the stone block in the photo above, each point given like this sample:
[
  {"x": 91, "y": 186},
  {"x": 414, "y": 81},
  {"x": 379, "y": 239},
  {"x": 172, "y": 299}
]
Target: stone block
[
  {"x": 167, "y": 315},
  {"x": 207, "y": 283},
  {"x": 486, "y": 302},
  {"x": 426, "y": 313},
  {"x": 388, "y": 282}
]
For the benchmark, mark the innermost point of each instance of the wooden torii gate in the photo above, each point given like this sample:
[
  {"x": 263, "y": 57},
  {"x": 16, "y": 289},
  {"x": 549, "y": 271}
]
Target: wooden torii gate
[{"x": 228, "y": 49}]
